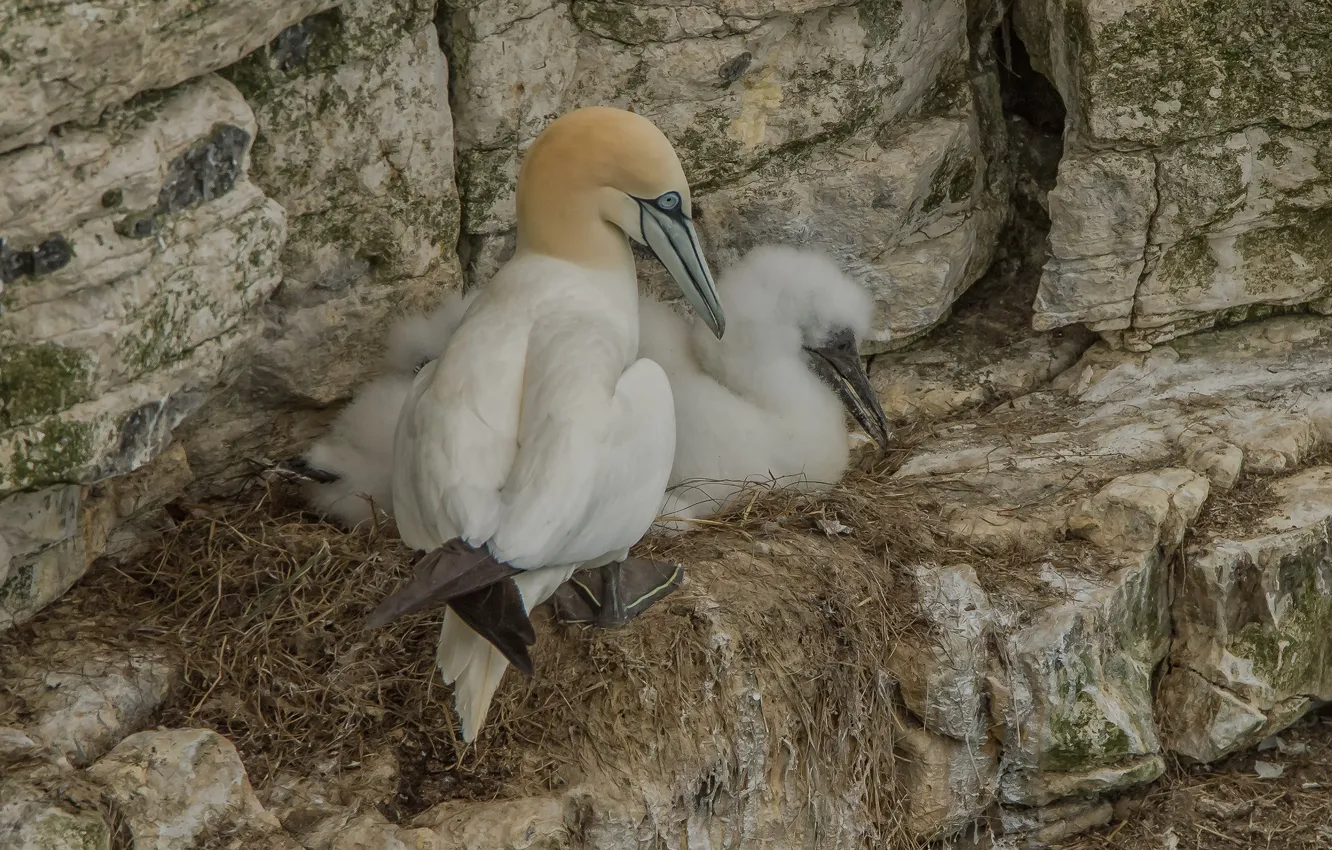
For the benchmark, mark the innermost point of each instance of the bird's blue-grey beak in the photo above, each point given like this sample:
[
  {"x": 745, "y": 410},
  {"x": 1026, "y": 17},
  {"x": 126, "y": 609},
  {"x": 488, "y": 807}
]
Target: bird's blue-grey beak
[
  {"x": 838, "y": 362},
  {"x": 671, "y": 236}
]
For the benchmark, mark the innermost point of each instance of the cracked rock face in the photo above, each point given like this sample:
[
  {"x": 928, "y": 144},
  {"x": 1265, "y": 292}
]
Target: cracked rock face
[
  {"x": 85, "y": 698},
  {"x": 69, "y": 65},
  {"x": 851, "y": 126},
  {"x": 1254, "y": 625},
  {"x": 182, "y": 787},
  {"x": 1196, "y": 186}
]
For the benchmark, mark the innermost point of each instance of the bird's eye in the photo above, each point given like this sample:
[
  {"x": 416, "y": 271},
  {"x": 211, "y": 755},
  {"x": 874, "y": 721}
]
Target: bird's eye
[{"x": 669, "y": 201}]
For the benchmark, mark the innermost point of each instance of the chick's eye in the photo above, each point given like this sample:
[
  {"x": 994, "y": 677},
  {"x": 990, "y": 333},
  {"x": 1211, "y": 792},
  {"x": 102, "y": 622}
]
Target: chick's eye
[{"x": 669, "y": 201}]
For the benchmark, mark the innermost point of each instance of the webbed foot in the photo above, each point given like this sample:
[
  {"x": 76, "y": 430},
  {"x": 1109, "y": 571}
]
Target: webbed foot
[{"x": 616, "y": 593}]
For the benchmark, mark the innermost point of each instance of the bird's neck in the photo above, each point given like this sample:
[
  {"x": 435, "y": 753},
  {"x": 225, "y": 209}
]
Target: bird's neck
[{"x": 574, "y": 229}]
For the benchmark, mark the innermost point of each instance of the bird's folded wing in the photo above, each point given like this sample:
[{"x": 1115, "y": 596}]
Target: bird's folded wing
[
  {"x": 453, "y": 570},
  {"x": 568, "y": 387}
]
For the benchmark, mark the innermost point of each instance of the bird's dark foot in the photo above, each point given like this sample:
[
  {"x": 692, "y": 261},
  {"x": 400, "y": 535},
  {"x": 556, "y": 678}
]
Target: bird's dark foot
[
  {"x": 616, "y": 593},
  {"x": 297, "y": 469}
]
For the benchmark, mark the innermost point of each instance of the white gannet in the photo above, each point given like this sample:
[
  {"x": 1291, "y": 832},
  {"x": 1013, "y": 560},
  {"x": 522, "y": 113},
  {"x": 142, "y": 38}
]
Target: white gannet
[
  {"x": 539, "y": 441},
  {"x": 349, "y": 469},
  {"x": 766, "y": 403}
]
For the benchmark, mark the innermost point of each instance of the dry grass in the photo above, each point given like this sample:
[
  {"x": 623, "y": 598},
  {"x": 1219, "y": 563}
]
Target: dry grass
[
  {"x": 263, "y": 605},
  {"x": 1227, "y": 805},
  {"x": 1237, "y": 512}
]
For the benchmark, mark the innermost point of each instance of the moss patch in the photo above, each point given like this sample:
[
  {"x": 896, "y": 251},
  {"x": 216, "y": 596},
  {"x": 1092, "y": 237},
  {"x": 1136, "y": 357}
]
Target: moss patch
[
  {"x": 38, "y": 380},
  {"x": 1082, "y": 737},
  {"x": 50, "y": 452},
  {"x": 1181, "y": 69},
  {"x": 1294, "y": 656}
]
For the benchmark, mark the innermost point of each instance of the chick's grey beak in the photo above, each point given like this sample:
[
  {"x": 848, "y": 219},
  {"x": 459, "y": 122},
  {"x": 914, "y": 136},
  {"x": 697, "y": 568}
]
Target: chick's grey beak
[
  {"x": 672, "y": 237},
  {"x": 838, "y": 363}
]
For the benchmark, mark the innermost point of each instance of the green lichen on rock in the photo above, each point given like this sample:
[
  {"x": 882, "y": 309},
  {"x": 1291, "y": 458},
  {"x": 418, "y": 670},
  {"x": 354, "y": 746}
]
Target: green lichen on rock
[
  {"x": 1295, "y": 256},
  {"x": 1187, "y": 266},
  {"x": 629, "y": 23},
  {"x": 38, "y": 380},
  {"x": 17, "y": 589},
  {"x": 1082, "y": 737},
  {"x": 1295, "y": 655},
  {"x": 52, "y": 451},
  {"x": 1180, "y": 69},
  {"x": 482, "y": 181}
]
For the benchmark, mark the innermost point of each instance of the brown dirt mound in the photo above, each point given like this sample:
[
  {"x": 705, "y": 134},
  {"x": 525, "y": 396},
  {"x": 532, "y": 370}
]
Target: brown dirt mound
[{"x": 264, "y": 604}]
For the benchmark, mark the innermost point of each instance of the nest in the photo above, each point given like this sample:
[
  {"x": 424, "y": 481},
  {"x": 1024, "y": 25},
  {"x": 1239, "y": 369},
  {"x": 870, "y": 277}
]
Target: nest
[{"x": 263, "y": 604}]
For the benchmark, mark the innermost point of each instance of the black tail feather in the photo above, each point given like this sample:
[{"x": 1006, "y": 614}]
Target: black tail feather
[{"x": 498, "y": 615}]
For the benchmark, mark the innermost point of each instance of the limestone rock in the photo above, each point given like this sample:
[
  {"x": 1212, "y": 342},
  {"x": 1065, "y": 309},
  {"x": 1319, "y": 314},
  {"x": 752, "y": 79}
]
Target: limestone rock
[
  {"x": 1053, "y": 825},
  {"x": 1138, "y": 512},
  {"x": 374, "y": 833},
  {"x": 59, "y": 531},
  {"x": 949, "y": 783},
  {"x": 1124, "y": 77},
  {"x": 524, "y": 824},
  {"x": 1254, "y": 621},
  {"x": 83, "y": 698},
  {"x": 44, "y": 805},
  {"x": 852, "y": 126},
  {"x": 183, "y": 787},
  {"x": 31, "y": 819},
  {"x": 67, "y": 66},
  {"x": 356, "y": 143},
  {"x": 1076, "y": 695},
  {"x": 1195, "y": 188},
  {"x": 1082, "y": 628},
  {"x": 1213, "y": 457},
  {"x": 941, "y": 674},
  {"x": 146, "y": 251}
]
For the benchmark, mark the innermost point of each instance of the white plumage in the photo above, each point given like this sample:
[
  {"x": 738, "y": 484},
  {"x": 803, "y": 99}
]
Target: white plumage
[
  {"x": 353, "y": 461},
  {"x": 762, "y": 404},
  {"x": 752, "y": 407},
  {"x": 539, "y": 441}
]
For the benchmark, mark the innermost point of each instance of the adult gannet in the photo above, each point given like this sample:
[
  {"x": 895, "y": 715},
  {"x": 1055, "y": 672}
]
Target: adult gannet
[{"x": 539, "y": 441}]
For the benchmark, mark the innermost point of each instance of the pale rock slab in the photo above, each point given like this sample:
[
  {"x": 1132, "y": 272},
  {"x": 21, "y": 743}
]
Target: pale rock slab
[
  {"x": 1052, "y": 825},
  {"x": 370, "y": 833},
  {"x": 84, "y": 698},
  {"x": 59, "y": 531},
  {"x": 1254, "y": 625},
  {"x": 1195, "y": 189},
  {"x": 1122, "y": 74},
  {"x": 1141, "y": 511},
  {"x": 950, "y": 782},
  {"x": 1075, "y": 697},
  {"x": 69, "y": 63},
  {"x": 163, "y": 251},
  {"x": 941, "y": 674},
  {"x": 524, "y": 824},
  {"x": 184, "y": 787},
  {"x": 31, "y": 819},
  {"x": 1209, "y": 455},
  {"x": 356, "y": 144},
  {"x": 44, "y": 805}
]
